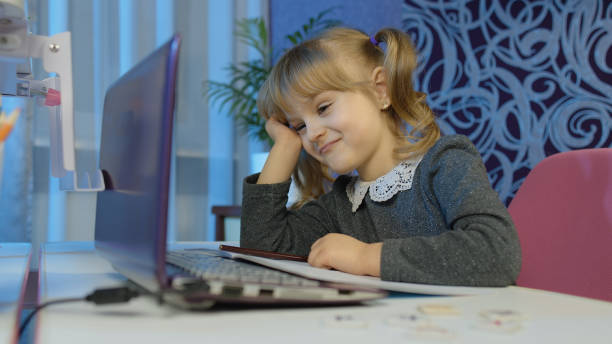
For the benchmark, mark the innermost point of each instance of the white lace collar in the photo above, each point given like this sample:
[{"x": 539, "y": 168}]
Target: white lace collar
[{"x": 385, "y": 187}]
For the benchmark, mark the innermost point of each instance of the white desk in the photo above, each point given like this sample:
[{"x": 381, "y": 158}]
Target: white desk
[
  {"x": 14, "y": 268},
  {"x": 71, "y": 270}
]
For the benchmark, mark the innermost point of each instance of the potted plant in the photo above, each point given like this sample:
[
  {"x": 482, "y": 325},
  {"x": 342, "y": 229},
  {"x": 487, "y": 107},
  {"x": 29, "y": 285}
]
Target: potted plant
[{"x": 239, "y": 94}]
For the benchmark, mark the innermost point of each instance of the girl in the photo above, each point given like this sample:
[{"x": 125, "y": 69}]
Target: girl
[{"x": 421, "y": 208}]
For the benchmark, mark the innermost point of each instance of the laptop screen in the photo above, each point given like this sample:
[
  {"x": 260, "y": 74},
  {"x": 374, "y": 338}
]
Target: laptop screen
[{"x": 135, "y": 157}]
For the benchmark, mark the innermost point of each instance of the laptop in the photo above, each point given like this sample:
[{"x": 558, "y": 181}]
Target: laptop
[{"x": 132, "y": 213}]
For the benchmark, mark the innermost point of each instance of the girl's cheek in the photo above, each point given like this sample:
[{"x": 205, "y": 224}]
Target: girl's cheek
[
  {"x": 333, "y": 120},
  {"x": 308, "y": 147}
]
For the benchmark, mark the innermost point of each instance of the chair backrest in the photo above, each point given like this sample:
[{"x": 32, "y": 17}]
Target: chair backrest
[
  {"x": 222, "y": 212},
  {"x": 563, "y": 215}
]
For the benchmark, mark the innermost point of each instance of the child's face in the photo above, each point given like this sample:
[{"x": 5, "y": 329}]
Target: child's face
[{"x": 346, "y": 131}]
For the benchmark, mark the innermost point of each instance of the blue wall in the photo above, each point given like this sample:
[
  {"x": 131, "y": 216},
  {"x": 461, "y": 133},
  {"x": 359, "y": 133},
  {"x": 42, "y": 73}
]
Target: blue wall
[{"x": 366, "y": 15}]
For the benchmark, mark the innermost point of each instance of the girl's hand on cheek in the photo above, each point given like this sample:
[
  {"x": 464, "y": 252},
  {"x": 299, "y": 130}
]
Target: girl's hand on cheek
[
  {"x": 345, "y": 253},
  {"x": 281, "y": 133},
  {"x": 283, "y": 155}
]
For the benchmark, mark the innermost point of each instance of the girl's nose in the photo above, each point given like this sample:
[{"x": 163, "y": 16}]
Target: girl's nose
[{"x": 314, "y": 129}]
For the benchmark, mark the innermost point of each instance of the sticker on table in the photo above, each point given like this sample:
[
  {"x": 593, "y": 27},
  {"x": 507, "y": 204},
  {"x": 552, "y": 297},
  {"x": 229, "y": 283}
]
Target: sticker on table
[
  {"x": 409, "y": 320},
  {"x": 500, "y": 321},
  {"x": 438, "y": 309},
  {"x": 345, "y": 321},
  {"x": 431, "y": 332}
]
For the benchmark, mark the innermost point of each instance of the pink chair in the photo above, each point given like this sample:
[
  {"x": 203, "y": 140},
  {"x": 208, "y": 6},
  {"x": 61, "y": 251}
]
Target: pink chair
[{"x": 563, "y": 215}]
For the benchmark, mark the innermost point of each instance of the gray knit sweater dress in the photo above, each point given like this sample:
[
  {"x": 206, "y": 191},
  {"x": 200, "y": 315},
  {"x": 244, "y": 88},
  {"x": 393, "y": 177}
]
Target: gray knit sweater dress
[{"x": 448, "y": 228}]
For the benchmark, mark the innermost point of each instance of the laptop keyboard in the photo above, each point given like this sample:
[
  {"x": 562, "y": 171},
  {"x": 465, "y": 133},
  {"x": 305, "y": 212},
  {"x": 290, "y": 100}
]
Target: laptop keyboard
[{"x": 210, "y": 266}]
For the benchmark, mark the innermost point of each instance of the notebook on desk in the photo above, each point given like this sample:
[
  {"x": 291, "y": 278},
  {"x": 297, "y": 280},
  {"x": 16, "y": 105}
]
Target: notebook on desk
[{"x": 132, "y": 213}]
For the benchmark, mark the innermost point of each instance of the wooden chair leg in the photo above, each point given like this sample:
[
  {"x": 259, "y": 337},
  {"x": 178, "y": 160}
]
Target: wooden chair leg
[{"x": 219, "y": 227}]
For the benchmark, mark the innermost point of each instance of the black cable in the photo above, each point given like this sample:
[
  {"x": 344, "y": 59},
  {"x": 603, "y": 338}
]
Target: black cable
[
  {"x": 41, "y": 306},
  {"x": 98, "y": 296},
  {"x": 111, "y": 295}
]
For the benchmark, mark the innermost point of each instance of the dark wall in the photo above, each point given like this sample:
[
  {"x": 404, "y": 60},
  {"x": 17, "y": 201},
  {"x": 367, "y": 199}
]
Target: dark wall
[{"x": 522, "y": 79}]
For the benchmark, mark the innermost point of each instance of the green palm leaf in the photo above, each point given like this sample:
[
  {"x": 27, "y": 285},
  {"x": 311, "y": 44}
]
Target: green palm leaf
[{"x": 239, "y": 94}]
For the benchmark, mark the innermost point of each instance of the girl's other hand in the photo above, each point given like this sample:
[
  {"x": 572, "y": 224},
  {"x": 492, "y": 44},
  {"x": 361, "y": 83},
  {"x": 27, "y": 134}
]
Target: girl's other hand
[
  {"x": 345, "y": 253},
  {"x": 281, "y": 133}
]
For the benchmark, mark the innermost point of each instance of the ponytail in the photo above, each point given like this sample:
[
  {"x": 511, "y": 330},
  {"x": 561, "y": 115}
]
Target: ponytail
[{"x": 408, "y": 105}]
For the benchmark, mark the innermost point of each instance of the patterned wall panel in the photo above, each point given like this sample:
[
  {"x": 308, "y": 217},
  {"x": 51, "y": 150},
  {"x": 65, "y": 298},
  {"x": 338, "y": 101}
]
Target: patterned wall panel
[{"x": 522, "y": 79}]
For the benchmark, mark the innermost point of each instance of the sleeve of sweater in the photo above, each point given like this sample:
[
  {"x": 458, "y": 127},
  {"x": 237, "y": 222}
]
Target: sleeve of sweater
[
  {"x": 267, "y": 224},
  {"x": 480, "y": 245}
]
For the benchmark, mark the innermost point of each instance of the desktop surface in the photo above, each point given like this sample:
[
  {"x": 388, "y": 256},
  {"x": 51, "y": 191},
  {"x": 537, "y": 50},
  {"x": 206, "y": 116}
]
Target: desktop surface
[
  {"x": 530, "y": 316},
  {"x": 14, "y": 266}
]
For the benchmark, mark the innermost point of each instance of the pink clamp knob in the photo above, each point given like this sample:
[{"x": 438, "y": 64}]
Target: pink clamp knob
[{"x": 53, "y": 98}]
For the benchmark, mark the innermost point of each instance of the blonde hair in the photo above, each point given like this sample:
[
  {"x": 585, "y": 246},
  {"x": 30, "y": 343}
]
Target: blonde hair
[{"x": 319, "y": 65}]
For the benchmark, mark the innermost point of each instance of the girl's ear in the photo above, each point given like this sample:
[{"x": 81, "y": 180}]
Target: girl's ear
[{"x": 379, "y": 78}]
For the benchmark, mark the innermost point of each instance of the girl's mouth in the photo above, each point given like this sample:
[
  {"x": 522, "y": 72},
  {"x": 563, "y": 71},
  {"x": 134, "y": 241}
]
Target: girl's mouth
[{"x": 326, "y": 147}]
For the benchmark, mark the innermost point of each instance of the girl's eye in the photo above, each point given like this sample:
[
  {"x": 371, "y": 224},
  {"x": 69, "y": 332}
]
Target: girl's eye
[
  {"x": 299, "y": 127},
  {"x": 321, "y": 109}
]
